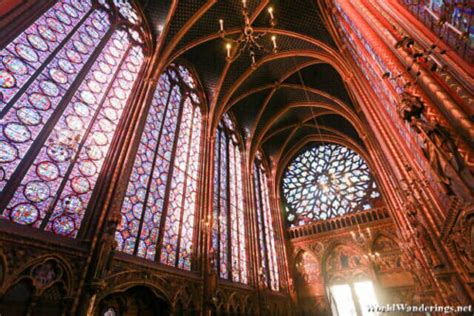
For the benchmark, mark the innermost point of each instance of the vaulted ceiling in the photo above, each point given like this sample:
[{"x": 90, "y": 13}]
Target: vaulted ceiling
[{"x": 291, "y": 97}]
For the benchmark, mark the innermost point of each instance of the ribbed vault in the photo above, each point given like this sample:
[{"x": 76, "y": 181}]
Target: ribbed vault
[{"x": 290, "y": 97}]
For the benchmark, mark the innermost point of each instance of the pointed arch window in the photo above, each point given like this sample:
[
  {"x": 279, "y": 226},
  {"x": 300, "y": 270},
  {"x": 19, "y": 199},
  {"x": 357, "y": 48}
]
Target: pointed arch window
[
  {"x": 268, "y": 272},
  {"x": 229, "y": 229},
  {"x": 64, "y": 84},
  {"x": 160, "y": 202}
]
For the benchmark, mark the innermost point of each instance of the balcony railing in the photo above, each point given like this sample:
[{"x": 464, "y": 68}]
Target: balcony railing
[
  {"x": 352, "y": 219},
  {"x": 458, "y": 29}
]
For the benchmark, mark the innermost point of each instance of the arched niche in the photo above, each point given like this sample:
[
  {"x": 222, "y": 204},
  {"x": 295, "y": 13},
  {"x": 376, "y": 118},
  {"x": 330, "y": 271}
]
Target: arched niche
[
  {"x": 308, "y": 276},
  {"x": 136, "y": 300}
]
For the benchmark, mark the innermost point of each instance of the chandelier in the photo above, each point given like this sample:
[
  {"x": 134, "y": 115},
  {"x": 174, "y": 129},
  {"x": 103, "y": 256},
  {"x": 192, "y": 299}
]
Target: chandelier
[{"x": 249, "y": 40}]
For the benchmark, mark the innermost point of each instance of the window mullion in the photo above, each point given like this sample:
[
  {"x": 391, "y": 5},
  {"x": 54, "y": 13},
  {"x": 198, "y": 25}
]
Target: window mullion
[
  {"x": 185, "y": 187},
  {"x": 170, "y": 176},
  {"x": 228, "y": 202},
  {"x": 43, "y": 65},
  {"x": 83, "y": 140},
  {"x": 35, "y": 147},
  {"x": 152, "y": 171}
]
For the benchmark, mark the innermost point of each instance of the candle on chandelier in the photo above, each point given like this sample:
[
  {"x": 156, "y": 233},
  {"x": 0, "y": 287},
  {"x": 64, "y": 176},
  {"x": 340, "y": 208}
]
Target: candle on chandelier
[
  {"x": 228, "y": 46},
  {"x": 221, "y": 23},
  {"x": 244, "y": 4},
  {"x": 270, "y": 11},
  {"x": 274, "y": 42}
]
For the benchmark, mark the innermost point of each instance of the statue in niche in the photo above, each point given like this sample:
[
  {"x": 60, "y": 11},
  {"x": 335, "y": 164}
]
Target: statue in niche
[
  {"x": 44, "y": 274},
  {"x": 356, "y": 260},
  {"x": 344, "y": 261},
  {"x": 463, "y": 239},
  {"x": 106, "y": 248},
  {"x": 438, "y": 146}
]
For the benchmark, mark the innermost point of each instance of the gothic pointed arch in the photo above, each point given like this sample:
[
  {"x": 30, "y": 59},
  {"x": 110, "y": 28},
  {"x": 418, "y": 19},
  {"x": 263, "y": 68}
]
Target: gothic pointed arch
[
  {"x": 229, "y": 237},
  {"x": 66, "y": 81},
  {"x": 158, "y": 211}
]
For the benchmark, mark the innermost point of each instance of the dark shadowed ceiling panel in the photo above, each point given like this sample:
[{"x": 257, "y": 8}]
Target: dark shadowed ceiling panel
[{"x": 304, "y": 45}]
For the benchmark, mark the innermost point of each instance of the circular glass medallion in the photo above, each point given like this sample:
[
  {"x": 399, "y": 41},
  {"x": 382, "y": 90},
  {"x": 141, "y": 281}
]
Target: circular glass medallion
[
  {"x": 47, "y": 171},
  {"x": 49, "y": 88},
  {"x": 55, "y": 25},
  {"x": 116, "y": 103},
  {"x": 70, "y": 10},
  {"x": 46, "y": 33},
  {"x": 73, "y": 56},
  {"x": 8, "y": 152},
  {"x": 94, "y": 86},
  {"x": 72, "y": 204},
  {"x": 127, "y": 75},
  {"x": 6, "y": 79},
  {"x": 119, "y": 93},
  {"x": 100, "y": 138},
  {"x": 15, "y": 65},
  {"x": 118, "y": 44},
  {"x": 36, "y": 191},
  {"x": 77, "y": 4},
  {"x": 39, "y": 101},
  {"x": 111, "y": 114},
  {"x": 114, "y": 51},
  {"x": 24, "y": 214},
  {"x": 63, "y": 17},
  {"x": 87, "y": 168},
  {"x": 110, "y": 60},
  {"x": 28, "y": 116},
  {"x": 58, "y": 152},
  {"x": 74, "y": 122},
  {"x": 106, "y": 125},
  {"x": 64, "y": 225},
  {"x": 86, "y": 39},
  {"x": 81, "y": 109},
  {"x": 80, "y": 185},
  {"x": 105, "y": 68},
  {"x": 88, "y": 97},
  {"x": 100, "y": 77},
  {"x": 124, "y": 84},
  {"x": 92, "y": 32},
  {"x": 66, "y": 66},
  {"x": 97, "y": 24},
  {"x": 94, "y": 152},
  {"x": 37, "y": 42},
  {"x": 80, "y": 47},
  {"x": 26, "y": 52},
  {"x": 18, "y": 133},
  {"x": 58, "y": 75}
]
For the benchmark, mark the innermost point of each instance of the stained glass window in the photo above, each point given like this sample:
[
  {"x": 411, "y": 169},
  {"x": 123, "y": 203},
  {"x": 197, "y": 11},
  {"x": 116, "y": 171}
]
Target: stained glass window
[
  {"x": 451, "y": 20},
  {"x": 66, "y": 81},
  {"x": 268, "y": 271},
  {"x": 326, "y": 181},
  {"x": 228, "y": 237},
  {"x": 160, "y": 202}
]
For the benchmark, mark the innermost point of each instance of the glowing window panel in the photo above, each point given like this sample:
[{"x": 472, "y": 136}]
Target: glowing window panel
[
  {"x": 162, "y": 188},
  {"x": 229, "y": 240},
  {"x": 366, "y": 296},
  {"x": 342, "y": 296},
  {"x": 27, "y": 117},
  {"x": 268, "y": 274},
  {"x": 21, "y": 59},
  {"x": 64, "y": 127},
  {"x": 68, "y": 164},
  {"x": 326, "y": 181}
]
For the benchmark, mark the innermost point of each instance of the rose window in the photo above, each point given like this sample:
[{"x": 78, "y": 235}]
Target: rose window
[{"x": 326, "y": 181}]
